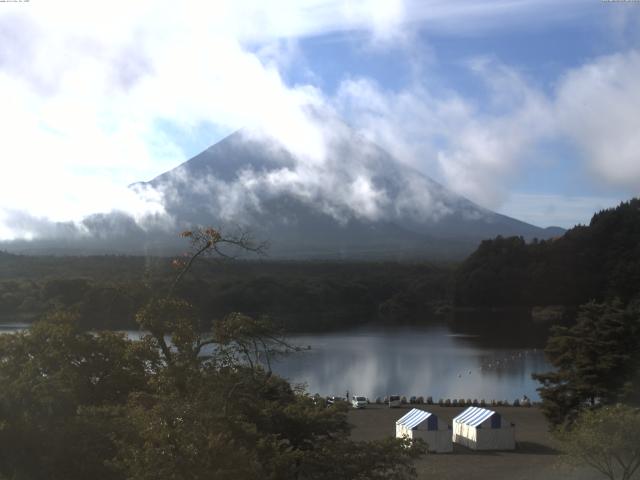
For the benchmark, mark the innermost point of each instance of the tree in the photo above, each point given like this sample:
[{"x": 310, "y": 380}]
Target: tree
[
  {"x": 606, "y": 439},
  {"x": 596, "y": 361},
  {"x": 54, "y": 377},
  {"x": 225, "y": 415},
  {"x": 181, "y": 403}
]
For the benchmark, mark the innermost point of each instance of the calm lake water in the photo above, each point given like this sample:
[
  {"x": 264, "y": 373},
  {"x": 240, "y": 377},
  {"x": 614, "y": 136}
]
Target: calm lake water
[
  {"x": 431, "y": 361},
  {"x": 412, "y": 361}
]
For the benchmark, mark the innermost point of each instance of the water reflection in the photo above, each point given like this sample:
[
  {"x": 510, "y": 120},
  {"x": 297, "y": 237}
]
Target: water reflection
[{"x": 428, "y": 362}]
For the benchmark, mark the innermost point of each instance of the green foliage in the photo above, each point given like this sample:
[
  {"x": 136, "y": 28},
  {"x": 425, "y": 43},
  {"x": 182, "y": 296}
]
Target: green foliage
[
  {"x": 378, "y": 460},
  {"x": 78, "y": 405},
  {"x": 596, "y": 362},
  {"x": 607, "y": 439},
  {"x": 184, "y": 402},
  {"x": 596, "y": 262},
  {"x": 52, "y": 378}
]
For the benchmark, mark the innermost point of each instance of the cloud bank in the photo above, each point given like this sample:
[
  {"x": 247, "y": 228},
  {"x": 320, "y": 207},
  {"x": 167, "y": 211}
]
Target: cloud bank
[
  {"x": 250, "y": 176},
  {"x": 92, "y": 95}
]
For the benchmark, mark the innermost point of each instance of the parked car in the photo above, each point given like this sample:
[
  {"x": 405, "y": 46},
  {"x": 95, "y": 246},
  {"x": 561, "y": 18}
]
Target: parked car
[
  {"x": 394, "y": 401},
  {"x": 359, "y": 401}
]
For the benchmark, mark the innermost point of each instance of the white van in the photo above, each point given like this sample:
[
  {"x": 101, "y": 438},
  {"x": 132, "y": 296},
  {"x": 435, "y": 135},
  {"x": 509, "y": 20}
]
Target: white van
[
  {"x": 394, "y": 401},
  {"x": 358, "y": 401}
]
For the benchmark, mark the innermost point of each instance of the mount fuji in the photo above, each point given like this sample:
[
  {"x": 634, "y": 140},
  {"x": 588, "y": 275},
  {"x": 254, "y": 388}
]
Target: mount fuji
[{"x": 354, "y": 201}]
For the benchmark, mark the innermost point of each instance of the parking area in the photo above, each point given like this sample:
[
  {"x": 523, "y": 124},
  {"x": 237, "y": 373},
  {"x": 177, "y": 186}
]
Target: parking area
[{"x": 536, "y": 457}]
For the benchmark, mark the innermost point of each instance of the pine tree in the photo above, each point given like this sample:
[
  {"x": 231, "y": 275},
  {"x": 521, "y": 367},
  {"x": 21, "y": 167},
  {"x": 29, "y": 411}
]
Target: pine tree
[{"x": 596, "y": 361}]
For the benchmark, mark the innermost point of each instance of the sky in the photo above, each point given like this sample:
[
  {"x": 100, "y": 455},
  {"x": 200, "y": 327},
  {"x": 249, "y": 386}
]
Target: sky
[{"x": 529, "y": 108}]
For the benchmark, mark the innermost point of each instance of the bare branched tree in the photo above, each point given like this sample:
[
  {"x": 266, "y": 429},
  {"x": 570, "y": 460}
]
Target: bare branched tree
[
  {"x": 258, "y": 341},
  {"x": 255, "y": 341},
  {"x": 209, "y": 241}
]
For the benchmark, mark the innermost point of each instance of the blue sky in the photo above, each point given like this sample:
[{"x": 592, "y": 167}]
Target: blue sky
[{"x": 526, "y": 107}]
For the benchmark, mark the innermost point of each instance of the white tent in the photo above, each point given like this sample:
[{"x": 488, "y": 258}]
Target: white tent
[
  {"x": 425, "y": 425},
  {"x": 481, "y": 429}
]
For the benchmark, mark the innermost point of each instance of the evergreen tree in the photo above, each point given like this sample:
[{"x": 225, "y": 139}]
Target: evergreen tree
[
  {"x": 596, "y": 361},
  {"x": 600, "y": 261}
]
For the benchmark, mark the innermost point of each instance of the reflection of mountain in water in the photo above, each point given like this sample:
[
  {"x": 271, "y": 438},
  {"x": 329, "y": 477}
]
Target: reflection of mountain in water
[{"x": 427, "y": 362}]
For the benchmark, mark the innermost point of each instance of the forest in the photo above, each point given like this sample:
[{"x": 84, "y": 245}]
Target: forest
[
  {"x": 599, "y": 261},
  {"x": 107, "y": 291}
]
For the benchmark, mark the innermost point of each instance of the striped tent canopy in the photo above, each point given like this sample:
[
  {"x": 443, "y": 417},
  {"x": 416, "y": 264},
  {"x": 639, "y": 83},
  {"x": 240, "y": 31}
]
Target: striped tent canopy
[
  {"x": 425, "y": 426},
  {"x": 414, "y": 418},
  {"x": 474, "y": 416},
  {"x": 482, "y": 429}
]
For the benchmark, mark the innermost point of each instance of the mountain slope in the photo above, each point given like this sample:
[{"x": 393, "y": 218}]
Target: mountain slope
[
  {"x": 345, "y": 197},
  {"x": 356, "y": 201}
]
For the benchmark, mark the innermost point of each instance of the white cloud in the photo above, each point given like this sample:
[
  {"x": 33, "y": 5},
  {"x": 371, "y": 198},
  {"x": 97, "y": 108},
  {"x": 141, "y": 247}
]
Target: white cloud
[
  {"x": 597, "y": 107},
  {"x": 472, "y": 151},
  {"x": 479, "y": 150},
  {"x": 83, "y": 97},
  {"x": 84, "y": 87},
  {"x": 339, "y": 188}
]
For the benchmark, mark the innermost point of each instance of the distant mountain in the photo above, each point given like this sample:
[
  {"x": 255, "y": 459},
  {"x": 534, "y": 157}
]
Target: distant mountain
[
  {"x": 353, "y": 201},
  {"x": 399, "y": 213}
]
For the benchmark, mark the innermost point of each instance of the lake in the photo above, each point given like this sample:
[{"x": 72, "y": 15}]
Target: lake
[
  {"x": 430, "y": 361},
  {"x": 412, "y": 361}
]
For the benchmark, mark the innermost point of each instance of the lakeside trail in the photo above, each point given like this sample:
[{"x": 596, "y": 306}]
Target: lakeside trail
[{"x": 536, "y": 456}]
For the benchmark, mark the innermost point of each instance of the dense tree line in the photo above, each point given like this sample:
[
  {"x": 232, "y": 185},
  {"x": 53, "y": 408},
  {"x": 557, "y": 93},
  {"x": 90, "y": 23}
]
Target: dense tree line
[
  {"x": 106, "y": 292},
  {"x": 599, "y": 262}
]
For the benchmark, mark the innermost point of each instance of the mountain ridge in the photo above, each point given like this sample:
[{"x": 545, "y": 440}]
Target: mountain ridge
[
  {"x": 444, "y": 224},
  {"x": 354, "y": 202}
]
